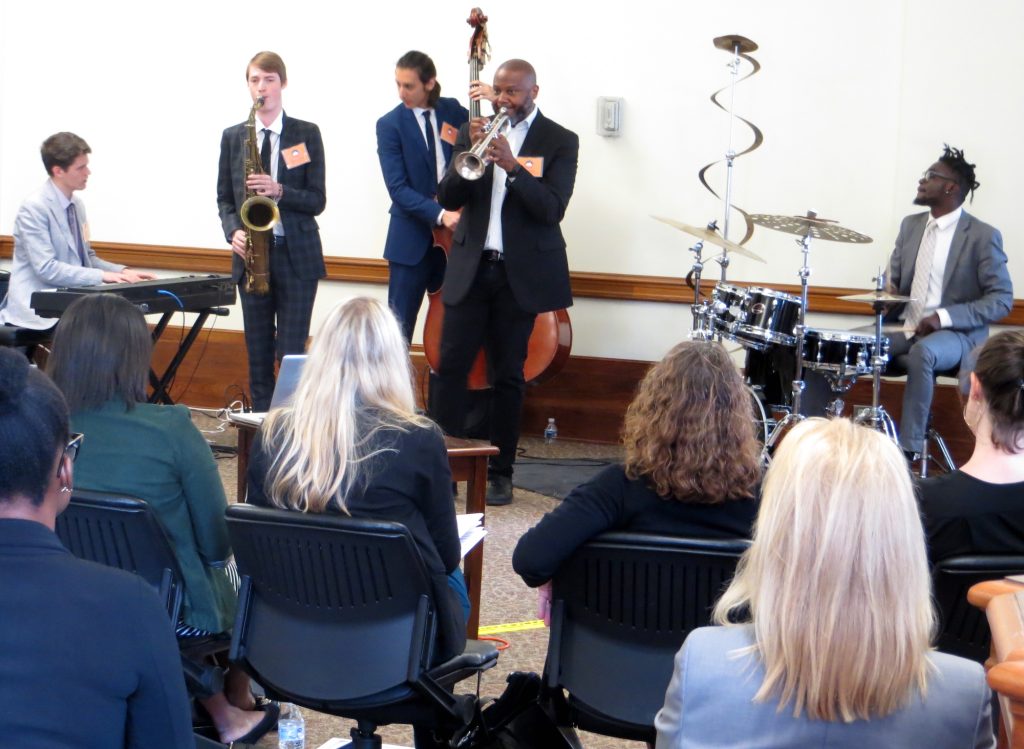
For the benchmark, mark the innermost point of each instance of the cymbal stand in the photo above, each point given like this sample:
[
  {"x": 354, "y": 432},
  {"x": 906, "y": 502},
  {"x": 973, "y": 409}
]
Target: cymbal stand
[
  {"x": 701, "y": 330},
  {"x": 877, "y": 417},
  {"x": 795, "y": 416},
  {"x": 730, "y": 154}
]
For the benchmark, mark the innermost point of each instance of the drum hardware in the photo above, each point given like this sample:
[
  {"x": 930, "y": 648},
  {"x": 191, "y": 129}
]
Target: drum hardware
[
  {"x": 703, "y": 314},
  {"x": 808, "y": 227},
  {"x": 877, "y": 417}
]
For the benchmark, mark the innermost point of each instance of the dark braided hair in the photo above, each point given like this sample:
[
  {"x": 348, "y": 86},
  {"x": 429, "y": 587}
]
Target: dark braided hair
[{"x": 954, "y": 159}]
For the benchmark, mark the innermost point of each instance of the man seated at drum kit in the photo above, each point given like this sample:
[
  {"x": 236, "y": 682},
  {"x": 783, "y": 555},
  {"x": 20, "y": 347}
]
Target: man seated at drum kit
[{"x": 950, "y": 271}]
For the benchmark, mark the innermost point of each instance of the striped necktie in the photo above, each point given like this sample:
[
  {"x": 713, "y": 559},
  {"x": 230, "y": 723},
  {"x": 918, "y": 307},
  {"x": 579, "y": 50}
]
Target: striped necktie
[
  {"x": 922, "y": 276},
  {"x": 76, "y": 232}
]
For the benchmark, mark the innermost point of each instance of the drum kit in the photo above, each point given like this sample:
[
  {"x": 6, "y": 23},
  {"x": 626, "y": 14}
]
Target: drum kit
[{"x": 771, "y": 326}]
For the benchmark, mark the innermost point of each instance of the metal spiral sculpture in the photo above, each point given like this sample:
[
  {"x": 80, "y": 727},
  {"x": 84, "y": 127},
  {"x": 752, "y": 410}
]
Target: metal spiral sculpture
[{"x": 739, "y": 47}]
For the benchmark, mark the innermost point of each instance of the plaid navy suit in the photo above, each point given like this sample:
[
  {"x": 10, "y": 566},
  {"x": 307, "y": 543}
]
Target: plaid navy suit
[{"x": 277, "y": 323}]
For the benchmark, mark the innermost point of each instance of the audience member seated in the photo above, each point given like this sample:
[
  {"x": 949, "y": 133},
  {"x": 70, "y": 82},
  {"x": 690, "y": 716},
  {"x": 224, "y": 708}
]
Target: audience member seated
[
  {"x": 835, "y": 595},
  {"x": 89, "y": 658},
  {"x": 692, "y": 466},
  {"x": 351, "y": 442},
  {"x": 979, "y": 509},
  {"x": 100, "y": 361}
]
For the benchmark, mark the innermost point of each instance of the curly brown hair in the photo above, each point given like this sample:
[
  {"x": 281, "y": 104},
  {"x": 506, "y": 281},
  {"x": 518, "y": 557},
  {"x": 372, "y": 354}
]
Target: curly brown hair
[{"x": 689, "y": 432}]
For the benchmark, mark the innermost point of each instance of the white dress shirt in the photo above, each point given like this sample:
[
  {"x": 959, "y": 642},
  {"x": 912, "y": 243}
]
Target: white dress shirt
[{"x": 515, "y": 136}]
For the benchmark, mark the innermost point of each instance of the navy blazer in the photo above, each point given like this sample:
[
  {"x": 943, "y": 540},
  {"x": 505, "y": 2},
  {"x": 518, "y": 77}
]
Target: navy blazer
[
  {"x": 976, "y": 286},
  {"x": 535, "y": 259},
  {"x": 411, "y": 178},
  {"x": 89, "y": 658},
  {"x": 304, "y": 196}
]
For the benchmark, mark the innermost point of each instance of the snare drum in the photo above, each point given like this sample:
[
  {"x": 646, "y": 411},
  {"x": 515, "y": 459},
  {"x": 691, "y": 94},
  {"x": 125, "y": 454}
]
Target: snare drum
[
  {"x": 842, "y": 352},
  {"x": 768, "y": 317},
  {"x": 726, "y": 309}
]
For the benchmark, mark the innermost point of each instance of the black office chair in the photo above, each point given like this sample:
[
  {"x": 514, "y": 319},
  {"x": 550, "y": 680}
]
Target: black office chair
[
  {"x": 123, "y": 532},
  {"x": 621, "y": 607},
  {"x": 963, "y": 628},
  {"x": 337, "y": 614}
]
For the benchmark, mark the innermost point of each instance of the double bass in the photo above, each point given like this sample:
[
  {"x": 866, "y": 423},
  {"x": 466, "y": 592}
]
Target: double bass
[{"x": 551, "y": 339}]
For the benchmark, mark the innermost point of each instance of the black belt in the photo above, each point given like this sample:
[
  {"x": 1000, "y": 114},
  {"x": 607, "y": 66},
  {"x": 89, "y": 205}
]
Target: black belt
[{"x": 492, "y": 256}]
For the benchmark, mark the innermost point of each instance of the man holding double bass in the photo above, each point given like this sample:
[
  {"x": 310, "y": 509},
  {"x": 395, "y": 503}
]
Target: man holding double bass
[{"x": 507, "y": 261}]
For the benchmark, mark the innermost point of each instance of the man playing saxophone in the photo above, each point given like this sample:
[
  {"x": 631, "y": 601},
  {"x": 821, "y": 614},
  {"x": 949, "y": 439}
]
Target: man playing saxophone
[{"x": 292, "y": 174}]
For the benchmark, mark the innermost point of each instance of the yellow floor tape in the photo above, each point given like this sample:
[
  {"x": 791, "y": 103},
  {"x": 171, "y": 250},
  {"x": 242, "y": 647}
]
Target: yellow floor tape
[{"x": 495, "y": 629}]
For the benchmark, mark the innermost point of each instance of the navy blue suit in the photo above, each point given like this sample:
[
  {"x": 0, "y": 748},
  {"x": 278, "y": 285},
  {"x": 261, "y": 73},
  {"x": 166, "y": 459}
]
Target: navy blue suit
[
  {"x": 88, "y": 657},
  {"x": 411, "y": 179},
  {"x": 277, "y": 323}
]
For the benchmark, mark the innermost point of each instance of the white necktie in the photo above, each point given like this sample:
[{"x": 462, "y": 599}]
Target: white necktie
[{"x": 922, "y": 276}]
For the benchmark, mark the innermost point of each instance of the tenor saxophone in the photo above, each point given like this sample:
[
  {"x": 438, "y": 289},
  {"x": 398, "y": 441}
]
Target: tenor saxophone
[{"x": 259, "y": 214}]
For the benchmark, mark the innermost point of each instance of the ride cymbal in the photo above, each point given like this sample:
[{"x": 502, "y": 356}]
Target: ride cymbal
[{"x": 818, "y": 228}]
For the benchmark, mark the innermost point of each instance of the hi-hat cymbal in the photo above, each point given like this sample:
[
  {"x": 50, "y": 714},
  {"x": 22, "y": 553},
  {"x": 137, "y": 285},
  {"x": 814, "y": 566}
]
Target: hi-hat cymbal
[
  {"x": 706, "y": 235},
  {"x": 876, "y": 296},
  {"x": 819, "y": 228}
]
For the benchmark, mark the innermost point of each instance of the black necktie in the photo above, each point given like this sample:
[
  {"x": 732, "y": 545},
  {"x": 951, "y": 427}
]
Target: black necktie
[
  {"x": 265, "y": 151},
  {"x": 76, "y": 232},
  {"x": 431, "y": 144}
]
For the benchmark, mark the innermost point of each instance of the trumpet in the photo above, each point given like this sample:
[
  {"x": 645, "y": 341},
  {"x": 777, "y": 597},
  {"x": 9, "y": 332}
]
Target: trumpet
[{"x": 471, "y": 164}]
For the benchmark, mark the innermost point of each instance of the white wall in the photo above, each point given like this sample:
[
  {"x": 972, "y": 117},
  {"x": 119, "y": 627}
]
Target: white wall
[{"x": 855, "y": 100}]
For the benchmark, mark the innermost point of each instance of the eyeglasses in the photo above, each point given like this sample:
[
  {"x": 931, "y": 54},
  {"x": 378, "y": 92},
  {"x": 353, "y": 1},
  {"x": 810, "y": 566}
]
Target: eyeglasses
[
  {"x": 931, "y": 174},
  {"x": 74, "y": 443}
]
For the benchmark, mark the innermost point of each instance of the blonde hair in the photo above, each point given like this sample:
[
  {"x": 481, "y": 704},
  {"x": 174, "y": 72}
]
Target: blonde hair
[
  {"x": 356, "y": 382},
  {"x": 689, "y": 432},
  {"x": 836, "y": 580}
]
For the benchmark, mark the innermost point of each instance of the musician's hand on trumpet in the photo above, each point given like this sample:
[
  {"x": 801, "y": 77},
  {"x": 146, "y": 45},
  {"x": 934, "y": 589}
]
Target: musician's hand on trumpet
[
  {"x": 499, "y": 152},
  {"x": 478, "y": 129}
]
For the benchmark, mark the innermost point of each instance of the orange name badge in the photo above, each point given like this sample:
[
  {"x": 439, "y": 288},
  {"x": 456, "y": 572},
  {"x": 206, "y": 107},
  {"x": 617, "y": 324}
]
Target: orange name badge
[
  {"x": 533, "y": 164},
  {"x": 449, "y": 133},
  {"x": 296, "y": 155}
]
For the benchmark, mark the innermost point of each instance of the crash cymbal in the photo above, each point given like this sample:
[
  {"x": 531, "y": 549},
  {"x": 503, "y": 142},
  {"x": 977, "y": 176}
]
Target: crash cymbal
[
  {"x": 819, "y": 228},
  {"x": 876, "y": 296},
  {"x": 706, "y": 235}
]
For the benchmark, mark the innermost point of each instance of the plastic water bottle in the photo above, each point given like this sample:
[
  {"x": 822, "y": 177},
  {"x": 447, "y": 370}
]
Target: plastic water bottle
[
  {"x": 291, "y": 728},
  {"x": 550, "y": 432}
]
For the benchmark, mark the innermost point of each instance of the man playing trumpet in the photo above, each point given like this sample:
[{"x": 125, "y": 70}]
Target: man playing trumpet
[{"x": 507, "y": 260}]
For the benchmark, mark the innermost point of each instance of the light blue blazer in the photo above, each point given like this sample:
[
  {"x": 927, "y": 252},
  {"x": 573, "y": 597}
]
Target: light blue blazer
[
  {"x": 46, "y": 256},
  {"x": 709, "y": 703}
]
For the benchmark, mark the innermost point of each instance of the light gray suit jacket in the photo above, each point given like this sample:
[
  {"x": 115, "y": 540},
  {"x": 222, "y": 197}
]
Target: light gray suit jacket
[
  {"x": 46, "y": 256},
  {"x": 976, "y": 286},
  {"x": 709, "y": 703}
]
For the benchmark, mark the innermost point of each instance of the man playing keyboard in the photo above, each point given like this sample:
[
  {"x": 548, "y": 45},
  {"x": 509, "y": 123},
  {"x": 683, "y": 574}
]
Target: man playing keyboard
[{"x": 51, "y": 245}]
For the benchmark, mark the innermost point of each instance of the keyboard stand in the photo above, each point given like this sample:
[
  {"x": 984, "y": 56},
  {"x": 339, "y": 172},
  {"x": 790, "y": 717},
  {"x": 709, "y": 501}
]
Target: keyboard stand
[{"x": 162, "y": 383}]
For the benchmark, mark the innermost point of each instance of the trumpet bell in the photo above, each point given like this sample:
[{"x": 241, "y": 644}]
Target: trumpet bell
[
  {"x": 259, "y": 213},
  {"x": 469, "y": 165}
]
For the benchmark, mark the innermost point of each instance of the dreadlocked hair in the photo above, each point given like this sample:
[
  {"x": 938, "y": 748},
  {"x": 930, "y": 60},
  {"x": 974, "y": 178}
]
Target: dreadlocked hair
[{"x": 954, "y": 159}]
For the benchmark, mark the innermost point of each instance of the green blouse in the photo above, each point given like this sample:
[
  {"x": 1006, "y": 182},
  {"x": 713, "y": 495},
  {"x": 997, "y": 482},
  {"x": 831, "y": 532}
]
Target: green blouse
[{"x": 155, "y": 453}]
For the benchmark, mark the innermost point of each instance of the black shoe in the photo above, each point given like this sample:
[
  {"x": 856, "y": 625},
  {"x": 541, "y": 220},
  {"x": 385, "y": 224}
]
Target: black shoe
[
  {"x": 499, "y": 490},
  {"x": 912, "y": 458}
]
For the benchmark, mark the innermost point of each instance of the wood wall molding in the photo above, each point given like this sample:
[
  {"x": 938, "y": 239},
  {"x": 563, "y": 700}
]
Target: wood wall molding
[
  {"x": 585, "y": 285},
  {"x": 588, "y": 398}
]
